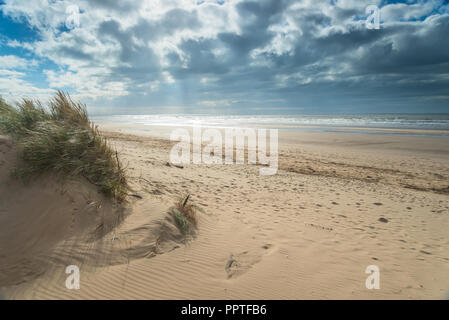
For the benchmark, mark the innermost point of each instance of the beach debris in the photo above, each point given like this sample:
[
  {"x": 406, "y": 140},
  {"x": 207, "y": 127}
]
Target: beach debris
[
  {"x": 185, "y": 201},
  {"x": 267, "y": 246},
  {"x": 319, "y": 227},
  {"x": 384, "y": 220},
  {"x": 378, "y": 203},
  {"x": 135, "y": 196},
  {"x": 230, "y": 262}
]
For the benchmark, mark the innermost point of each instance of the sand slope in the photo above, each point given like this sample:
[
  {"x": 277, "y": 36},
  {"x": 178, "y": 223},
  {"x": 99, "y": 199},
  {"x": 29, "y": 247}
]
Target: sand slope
[{"x": 50, "y": 223}]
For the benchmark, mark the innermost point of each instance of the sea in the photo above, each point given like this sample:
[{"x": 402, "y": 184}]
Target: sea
[{"x": 403, "y": 124}]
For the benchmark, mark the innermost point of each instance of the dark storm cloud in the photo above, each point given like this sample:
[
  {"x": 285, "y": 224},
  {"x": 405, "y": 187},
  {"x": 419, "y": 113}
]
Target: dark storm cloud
[
  {"x": 256, "y": 17},
  {"x": 137, "y": 62},
  {"x": 174, "y": 20},
  {"x": 410, "y": 49},
  {"x": 400, "y": 60}
]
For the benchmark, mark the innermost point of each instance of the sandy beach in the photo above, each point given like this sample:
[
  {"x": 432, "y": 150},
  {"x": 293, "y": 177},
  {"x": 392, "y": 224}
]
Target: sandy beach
[
  {"x": 338, "y": 204},
  {"x": 191, "y": 150}
]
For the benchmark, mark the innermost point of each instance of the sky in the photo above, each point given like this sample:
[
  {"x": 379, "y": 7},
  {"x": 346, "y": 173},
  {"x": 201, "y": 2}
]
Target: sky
[{"x": 228, "y": 56}]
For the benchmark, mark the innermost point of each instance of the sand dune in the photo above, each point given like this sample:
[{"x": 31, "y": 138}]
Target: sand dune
[
  {"x": 309, "y": 231},
  {"x": 50, "y": 223}
]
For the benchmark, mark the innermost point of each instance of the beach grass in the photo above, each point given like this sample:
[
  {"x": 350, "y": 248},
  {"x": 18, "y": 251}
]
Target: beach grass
[
  {"x": 184, "y": 213},
  {"x": 60, "y": 138}
]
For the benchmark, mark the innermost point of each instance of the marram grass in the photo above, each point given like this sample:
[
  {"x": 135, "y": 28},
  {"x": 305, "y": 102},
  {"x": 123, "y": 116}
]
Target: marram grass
[
  {"x": 185, "y": 216},
  {"x": 62, "y": 139}
]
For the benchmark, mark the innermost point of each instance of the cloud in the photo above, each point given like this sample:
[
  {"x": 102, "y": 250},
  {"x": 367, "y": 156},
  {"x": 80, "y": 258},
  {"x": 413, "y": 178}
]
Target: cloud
[
  {"x": 406, "y": 12},
  {"x": 15, "y": 62},
  {"x": 13, "y": 87},
  {"x": 226, "y": 53}
]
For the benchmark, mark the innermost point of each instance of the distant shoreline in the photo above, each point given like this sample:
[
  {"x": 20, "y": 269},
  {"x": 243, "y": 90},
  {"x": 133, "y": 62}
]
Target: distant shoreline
[
  {"x": 408, "y": 125},
  {"x": 163, "y": 131}
]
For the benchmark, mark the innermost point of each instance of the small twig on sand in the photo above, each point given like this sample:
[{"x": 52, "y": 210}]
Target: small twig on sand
[
  {"x": 185, "y": 201},
  {"x": 118, "y": 161}
]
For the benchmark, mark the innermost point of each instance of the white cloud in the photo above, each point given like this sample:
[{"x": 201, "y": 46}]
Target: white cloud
[
  {"x": 13, "y": 88},
  {"x": 14, "y": 62},
  {"x": 405, "y": 12}
]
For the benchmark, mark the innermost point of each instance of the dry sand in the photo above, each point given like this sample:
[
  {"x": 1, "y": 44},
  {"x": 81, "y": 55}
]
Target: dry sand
[{"x": 308, "y": 232}]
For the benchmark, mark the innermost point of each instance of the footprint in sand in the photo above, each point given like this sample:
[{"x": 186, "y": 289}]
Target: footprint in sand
[{"x": 240, "y": 263}]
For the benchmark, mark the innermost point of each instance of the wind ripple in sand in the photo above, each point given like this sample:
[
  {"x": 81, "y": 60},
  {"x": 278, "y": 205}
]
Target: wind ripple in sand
[{"x": 149, "y": 230}]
